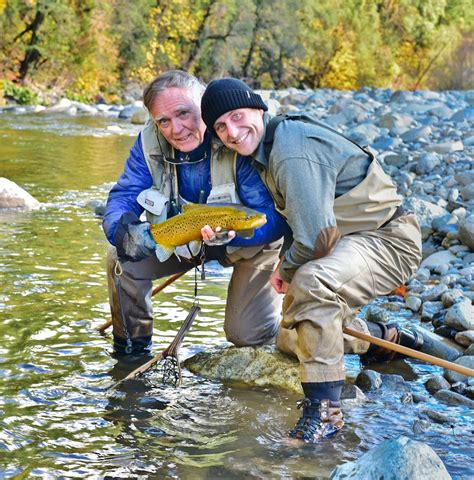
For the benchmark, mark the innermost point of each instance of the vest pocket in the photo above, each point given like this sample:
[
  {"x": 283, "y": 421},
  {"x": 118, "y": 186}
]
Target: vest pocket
[{"x": 154, "y": 203}]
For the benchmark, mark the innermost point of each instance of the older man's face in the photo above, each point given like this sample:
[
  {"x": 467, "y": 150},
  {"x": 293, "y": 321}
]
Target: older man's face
[
  {"x": 241, "y": 130},
  {"x": 177, "y": 113}
]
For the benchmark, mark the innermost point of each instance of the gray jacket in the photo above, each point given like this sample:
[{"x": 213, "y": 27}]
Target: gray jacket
[{"x": 325, "y": 186}]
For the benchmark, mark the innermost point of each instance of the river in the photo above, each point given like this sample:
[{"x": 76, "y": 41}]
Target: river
[{"x": 58, "y": 418}]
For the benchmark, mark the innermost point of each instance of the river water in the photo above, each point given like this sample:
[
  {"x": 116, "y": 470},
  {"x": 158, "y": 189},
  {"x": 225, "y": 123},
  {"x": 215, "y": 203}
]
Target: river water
[{"x": 57, "y": 417}]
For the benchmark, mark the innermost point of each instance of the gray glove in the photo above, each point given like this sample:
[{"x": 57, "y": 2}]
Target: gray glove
[{"x": 133, "y": 239}]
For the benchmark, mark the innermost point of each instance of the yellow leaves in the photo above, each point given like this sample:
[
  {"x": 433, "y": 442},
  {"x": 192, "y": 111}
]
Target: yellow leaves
[
  {"x": 148, "y": 71},
  {"x": 343, "y": 69},
  {"x": 84, "y": 46},
  {"x": 175, "y": 25}
]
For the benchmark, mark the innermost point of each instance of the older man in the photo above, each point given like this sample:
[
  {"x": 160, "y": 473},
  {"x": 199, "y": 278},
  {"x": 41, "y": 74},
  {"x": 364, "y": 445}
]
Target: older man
[
  {"x": 352, "y": 240},
  {"x": 172, "y": 162}
]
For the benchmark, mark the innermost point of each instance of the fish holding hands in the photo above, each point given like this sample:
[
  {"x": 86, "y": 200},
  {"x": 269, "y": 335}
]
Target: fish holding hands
[{"x": 187, "y": 228}]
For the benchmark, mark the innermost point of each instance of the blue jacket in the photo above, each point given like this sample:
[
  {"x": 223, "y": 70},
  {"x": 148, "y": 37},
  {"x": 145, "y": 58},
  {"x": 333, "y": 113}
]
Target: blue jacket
[{"x": 192, "y": 179}]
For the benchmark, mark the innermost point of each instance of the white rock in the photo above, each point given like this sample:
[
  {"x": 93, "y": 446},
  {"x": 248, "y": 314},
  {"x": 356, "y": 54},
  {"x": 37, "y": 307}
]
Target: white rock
[
  {"x": 461, "y": 316},
  {"x": 438, "y": 258},
  {"x": 446, "y": 147},
  {"x": 114, "y": 128},
  {"x": 401, "y": 458},
  {"x": 13, "y": 196},
  {"x": 425, "y": 213},
  {"x": 61, "y": 107}
]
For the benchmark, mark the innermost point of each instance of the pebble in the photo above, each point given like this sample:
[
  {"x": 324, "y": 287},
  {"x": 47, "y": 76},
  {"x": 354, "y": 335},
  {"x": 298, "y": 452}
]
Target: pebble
[{"x": 437, "y": 382}]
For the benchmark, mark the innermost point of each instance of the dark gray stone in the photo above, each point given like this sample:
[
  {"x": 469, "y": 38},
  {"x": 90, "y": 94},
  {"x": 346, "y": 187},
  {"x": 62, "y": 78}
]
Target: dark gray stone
[
  {"x": 369, "y": 380},
  {"x": 436, "y": 383},
  {"x": 454, "y": 398}
]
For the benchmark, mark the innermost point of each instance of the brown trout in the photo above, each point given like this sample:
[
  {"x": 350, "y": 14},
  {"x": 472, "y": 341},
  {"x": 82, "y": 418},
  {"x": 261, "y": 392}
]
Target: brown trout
[{"x": 186, "y": 228}]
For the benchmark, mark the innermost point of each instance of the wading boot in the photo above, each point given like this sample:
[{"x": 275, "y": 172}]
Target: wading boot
[
  {"x": 395, "y": 334},
  {"x": 320, "y": 420}
]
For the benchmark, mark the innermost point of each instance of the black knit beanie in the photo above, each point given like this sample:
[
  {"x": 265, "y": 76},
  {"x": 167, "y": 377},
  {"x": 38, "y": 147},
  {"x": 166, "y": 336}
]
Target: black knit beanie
[{"x": 226, "y": 94}]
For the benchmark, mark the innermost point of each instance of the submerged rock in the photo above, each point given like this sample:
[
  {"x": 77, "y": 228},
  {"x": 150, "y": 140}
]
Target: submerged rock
[
  {"x": 453, "y": 398},
  {"x": 395, "y": 459}
]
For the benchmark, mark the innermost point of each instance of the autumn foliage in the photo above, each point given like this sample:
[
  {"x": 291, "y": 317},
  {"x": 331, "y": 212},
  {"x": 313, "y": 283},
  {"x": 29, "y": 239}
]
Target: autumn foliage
[{"x": 91, "y": 48}]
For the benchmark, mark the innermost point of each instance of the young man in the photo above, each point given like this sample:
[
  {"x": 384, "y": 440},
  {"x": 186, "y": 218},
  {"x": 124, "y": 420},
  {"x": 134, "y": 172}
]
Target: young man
[
  {"x": 175, "y": 161},
  {"x": 352, "y": 241}
]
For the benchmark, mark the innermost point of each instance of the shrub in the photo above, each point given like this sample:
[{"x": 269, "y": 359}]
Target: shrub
[{"x": 20, "y": 95}]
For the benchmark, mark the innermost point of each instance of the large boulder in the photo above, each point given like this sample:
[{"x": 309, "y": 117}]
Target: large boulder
[
  {"x": 397, "y": 459},
  {"x": 258, "y": 366},
  {"x": 13, "y": 196},
  {"x": 140, "y": 117},
  {"x": 261, "y": 366}
]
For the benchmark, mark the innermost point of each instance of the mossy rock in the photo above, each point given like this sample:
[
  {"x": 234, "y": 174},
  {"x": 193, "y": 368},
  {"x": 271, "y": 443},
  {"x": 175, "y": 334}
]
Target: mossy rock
[{"x": 259, "y": 366}]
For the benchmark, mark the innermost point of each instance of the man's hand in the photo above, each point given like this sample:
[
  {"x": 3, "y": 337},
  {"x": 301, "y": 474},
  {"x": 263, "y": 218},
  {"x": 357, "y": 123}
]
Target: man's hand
[
  {"x": 133, "y": 239},
  {"x": 278, "y": 284},
  {"x": 213, "y": 238}
]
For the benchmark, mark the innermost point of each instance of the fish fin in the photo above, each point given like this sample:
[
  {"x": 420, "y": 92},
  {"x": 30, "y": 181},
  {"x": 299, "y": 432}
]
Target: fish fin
[
  {"x": 195, "y": 247},
  {"x": 163, "y": 252},
  {"x": 249, "y": 233},
  {"x": 188, "y": 207}
]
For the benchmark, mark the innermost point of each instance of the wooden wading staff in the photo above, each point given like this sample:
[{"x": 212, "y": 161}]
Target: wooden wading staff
[
  {"x": 412, "y": 353},
  {"x": 171, "y": 350},
  {"x": 156, "y": 290}
]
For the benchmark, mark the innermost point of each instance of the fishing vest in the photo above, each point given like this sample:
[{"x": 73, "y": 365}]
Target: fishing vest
[
  {"x": 367, "y": 206},
  {"x": 158, "y": 200}
]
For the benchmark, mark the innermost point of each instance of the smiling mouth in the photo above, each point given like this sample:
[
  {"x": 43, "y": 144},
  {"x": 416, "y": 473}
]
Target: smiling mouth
[
  {"x": 183, "y": 139},
  {"x": 241, "y": 139}
]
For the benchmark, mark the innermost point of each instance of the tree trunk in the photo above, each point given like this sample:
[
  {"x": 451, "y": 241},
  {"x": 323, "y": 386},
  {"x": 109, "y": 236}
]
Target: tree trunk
[
  {"x": 253, "y": 42},
  {"x": 197, "y": 44},
  {"x": 32, "y": 54}
]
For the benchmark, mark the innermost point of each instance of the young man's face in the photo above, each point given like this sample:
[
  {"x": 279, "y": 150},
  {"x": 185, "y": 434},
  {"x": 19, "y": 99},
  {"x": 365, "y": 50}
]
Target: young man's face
[
  {"x": 177, "y": 113},
  {"x": 241, "y": 130}
]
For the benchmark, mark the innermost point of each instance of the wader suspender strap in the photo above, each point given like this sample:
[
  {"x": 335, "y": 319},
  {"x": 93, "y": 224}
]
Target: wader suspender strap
[
  {"x": 162, "y": 173},
  {"x": 275, "y": 121}
]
